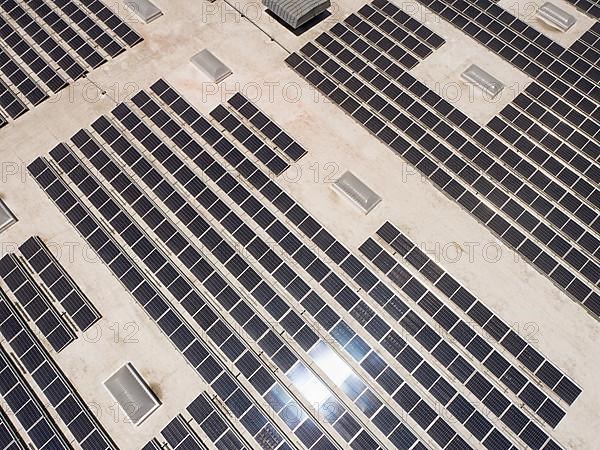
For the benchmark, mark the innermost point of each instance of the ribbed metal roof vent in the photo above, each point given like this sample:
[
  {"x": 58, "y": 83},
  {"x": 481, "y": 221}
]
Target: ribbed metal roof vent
[
  {"x": 357, "y": 191},
  {"x": 555, "y": 17},
  {"x": 211, "y": 66},
  {"x": 132, "y": 394},
  {"x": 479, "y": 77},
  {"x": 144, "y": 9},
  {"x": 297, "y": 12},
  {"x": 7, "y": 218}
]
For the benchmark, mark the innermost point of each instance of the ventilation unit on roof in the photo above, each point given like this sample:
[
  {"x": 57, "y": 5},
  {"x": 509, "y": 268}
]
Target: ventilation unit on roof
[
  {"x": 211, "y": 66},
  {"x": 480, "y": 78},
  {"x": 144, "y": 9},
  {"x": 555, "y": 17},
  {"x": 132, "y": 394},
  {"x": 297, "y": 12},
  {"x": 357, "y": 191},
  {"x": 7, "y": 218}
]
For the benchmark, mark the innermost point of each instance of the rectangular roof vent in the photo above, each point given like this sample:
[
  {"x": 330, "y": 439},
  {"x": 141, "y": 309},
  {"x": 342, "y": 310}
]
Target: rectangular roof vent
[
  {"x": 144, "y": 9},
  {"x": 7, "y": 218},
  {"x": 211, "y": 66},
  {"x": 555, "y": 17},
  {"x": 479, "y": 77},
  {"x": 297, "y": 12},
  {"x": 132, "y": 394},
  {"x": 353, "y": 188}
]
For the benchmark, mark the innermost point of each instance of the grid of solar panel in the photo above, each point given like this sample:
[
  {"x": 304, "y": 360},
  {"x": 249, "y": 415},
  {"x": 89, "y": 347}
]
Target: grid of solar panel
[
  {"x": 62, "y": 286},
  {"x": 70, "y": 407}
]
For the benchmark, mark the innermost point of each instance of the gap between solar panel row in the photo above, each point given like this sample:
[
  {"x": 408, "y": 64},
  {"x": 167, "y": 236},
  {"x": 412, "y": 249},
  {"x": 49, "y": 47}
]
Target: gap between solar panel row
[
  {"x": 520, "y": 44},
  {"x": 333, "y": 321},
  {"x": 444, "y": 129},
  {"x": 179, "y": 435},
  {"x": 247, "y": 110},
  {"x": 249, "y": 139},
  {"x": 58, "y": 281},
  {"x": 27, "y": 407},
  {"x": 526, "y": 115},
  {"x": 276, "y": 307},
  {"x": 10, "y": 439},
  {"x": 36, "y": 303},
  {"x": 588, "y": 44},
  {"x": 50, "y": 379},
  {"x": 60, "y": 19},
  {"x": 152, "y": 445},
  {"x": 27, "y": 26},
  {"x": 288, "y": 363},
  {"x": 390, "y": 19},
  {"x": 215, "y": 424},
  {"x": 495, "y": 328},
  {"x": 148, "y": 295},
  {"x": 207, "y": 317},
  {"x": 29, "y": 56},
  {"x": 386, "y": 112}
]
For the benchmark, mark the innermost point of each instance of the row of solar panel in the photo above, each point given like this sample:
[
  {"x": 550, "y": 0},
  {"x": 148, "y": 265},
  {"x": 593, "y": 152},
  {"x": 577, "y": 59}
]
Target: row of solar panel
[
  {"x": 216, "y": 426},
  {"x": 386, "y": 115},
  {"x": 35, "y": 301},
  {"x": 587, "y": 6},
  {"x": 27, "y": 407},
  {"x": 179, "y": 435},
  {"x": 63, "y": 397},
  {"x": 274, "y": 346},
  {"x": 9, "y": 438},
  {"x": 58, "y": 281},
  {"x": 492, "y": 325},
  {"x": 326, "y": 317},
  {"x": 265, "y": 249},
  {"x": 558, "y": 69},
  {"x": 134, "y": 279},
  {"x": 274, "y": 305},
  {"x": 70, "y": 47},
  {"x": 245, "y": 109},
  {"x": 282, "y": 233}
]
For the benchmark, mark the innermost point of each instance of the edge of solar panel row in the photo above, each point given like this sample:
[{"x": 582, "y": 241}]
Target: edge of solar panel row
[
  {"x": 195, "y": 353},
  {"x": 60, "y": 283}
]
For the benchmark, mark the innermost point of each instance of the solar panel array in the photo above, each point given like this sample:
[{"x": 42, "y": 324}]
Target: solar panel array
[
  {"x": 36, "y": 302},
  {"x": 47, "y": 44},
  {"x": 59, "y": 392},
  {"x": 179, "y": 435},
  {"x": 505, "y": 174},
  {"x": 58, "y": 281},
  {"x": 161, "y": 158}
]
